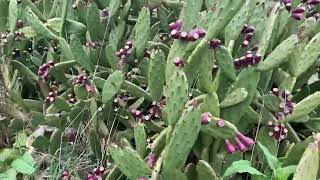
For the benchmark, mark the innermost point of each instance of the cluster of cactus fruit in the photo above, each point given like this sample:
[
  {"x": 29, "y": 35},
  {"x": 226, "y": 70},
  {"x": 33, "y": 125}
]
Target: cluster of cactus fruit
[
  {"x": 193, "y": 35},
  {"x": 162, "y": 89}
]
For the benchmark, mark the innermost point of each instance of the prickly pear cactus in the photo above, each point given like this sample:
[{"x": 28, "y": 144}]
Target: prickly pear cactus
[{"x": 159, "y": 89}]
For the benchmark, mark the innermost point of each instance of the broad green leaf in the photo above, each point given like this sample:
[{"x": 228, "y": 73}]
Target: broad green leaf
[
  {"x": 71, "y": 26},
  {"x": 280, "y": 54},
  {"x": 79, "y": 54},
  {"x": 64, "y": 10},
  {"x": 234, "y": 98},
  {"x": 306, "y": 106},
  {"x": 95, "y": 144},
  {"x": 41, "y": 143},
  {"x": 182, "y": 139},
  {"x": 66, "y": 54},
  {"x": 25, "y": 164},
  {"x": 129, "y": 162},
  {"x": 269, "y": 141},
  {"x": 156, "y": 76},
  {"x": 190, "y": 14},
  {"x": 205, "y": 171},
  {"x": 8, "y": 154},
  {"x": 285, "y": 172},
  {"x": 142, "y": 32},
  {"x": 9, "y": 174},
  {"x": 308, "y": 56},
  {"x": 62, "y": 104},
  {"x": 112, "y": 86},
  {"x": 21, "y": 139},
  {"x": 114, "y": 7},
  {"x": 136, "y": 90},
  {"x": 13, "y": 14},
  {"x": 38, "y": 26},
  {"x": 269, "y": 27},
  {"x": 273, "y": 162},
  {"x": 3, "y": 14},
  {"x": 25, "y": 71},
  {"x": 225, "y": 61},
  {"x": 140, "y": 137},
  {"x": 55, "y": 141},
  {"x": 189, "y": 17},
  {"x": 241, "y": 166},
  {"x": 308, "y": 164},
  {"x": 111, "y": 57},
  {"x": 248, "y": 79},
  {"x": 95, "y": 28},
  {"x": 175, "y": 174},
  {"x": 233, "y": 29}
]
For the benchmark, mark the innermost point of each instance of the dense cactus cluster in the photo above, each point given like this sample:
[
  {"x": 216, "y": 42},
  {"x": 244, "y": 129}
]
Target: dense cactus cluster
[{"x": 159, "y": 89}]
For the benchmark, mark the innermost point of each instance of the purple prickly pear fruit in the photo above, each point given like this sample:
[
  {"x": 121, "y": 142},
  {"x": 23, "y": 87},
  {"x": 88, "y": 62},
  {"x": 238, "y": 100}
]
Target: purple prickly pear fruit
[
  {"x": 248, "y": 37},
  {"x": 151, "y": 160},
  {"x": 136, "y": 113},
  {"x": 192, "y": 36},
  {"x": 89, "y": 87},
  {"x": 51, "y": 96},
  {"x": 244, "y": 28},
  {"x": 275, "y": 91},
  {"x": 230, "y": 147},
  {"x": 297, "y": 16},
  {"x": 183, "y": 36},
  {"x": 142, "y": 178},
  {"x": 237, "y": 63},
  {"x": 201, "y": 32},
  {"x": 66, "y": 175},
  {"x": 279, "y": 116},
  {"x": 279, "y": 132},
  {"x": 215, "y": 68},
  {"x": 175, "y": 34},
  {"x": 147, "y": 53},
  {"x": 220, "y": 123},
  {"x": 44, "y": 70},
  {"x": 240, "y": 145},
  {"x": 245, "y": 43},
  {"x": 104, "y": 13},
  {"x": 215, "y": 43},
  {"x": 249, "y": 58},
  {"x": 175, "y": 25},
  {"x": 244, "y": 62},
  {"x": 313, "y": 2},
  {"x": 20, "y": 24},
  {"x": 130, "y": 44},
  {"x": 249, "y": 29},
  {"x": 71, "y": 99},
  {"x": 98, "y": 171},
  {"x": 155, "y": 112},
  {"x": 179, "y": 62},
  {"x": 91, "y": 177},
  {"x": 126, "y": 51},
  {"x": 257, "y": 58},
  {"x": 245, "y": 140},
  {"x": 206, "y": 118},
  {"x": 298, "y": 10},
  {"x": 287, "y": 4}
]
